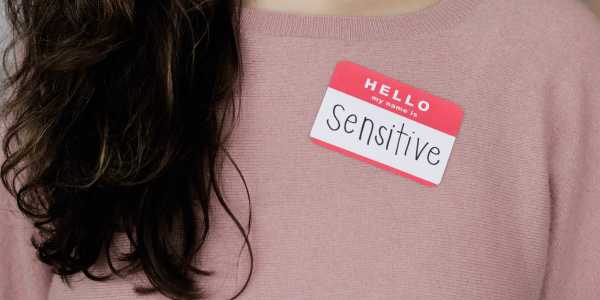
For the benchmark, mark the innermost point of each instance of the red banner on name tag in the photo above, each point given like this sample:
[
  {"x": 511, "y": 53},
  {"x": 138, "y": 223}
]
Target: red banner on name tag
[{"x": 430, "y": 110}]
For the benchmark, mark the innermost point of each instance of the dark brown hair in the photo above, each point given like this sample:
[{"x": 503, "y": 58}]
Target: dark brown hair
[{"x": 116, "y": 116}]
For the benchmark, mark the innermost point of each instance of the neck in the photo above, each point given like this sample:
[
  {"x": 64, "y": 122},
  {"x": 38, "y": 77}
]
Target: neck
[{"x": 341, "y": 7}]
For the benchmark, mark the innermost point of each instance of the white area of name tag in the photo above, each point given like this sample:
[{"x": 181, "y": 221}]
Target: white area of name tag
[{"x": 350, "y": 142}]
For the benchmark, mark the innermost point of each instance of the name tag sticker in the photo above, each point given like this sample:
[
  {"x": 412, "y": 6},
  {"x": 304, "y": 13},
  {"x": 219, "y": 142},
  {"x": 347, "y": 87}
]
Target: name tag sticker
[{"x": 392, "y": 125}]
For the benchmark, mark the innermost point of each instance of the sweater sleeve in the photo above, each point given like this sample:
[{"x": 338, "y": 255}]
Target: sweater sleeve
[
  {"x": 22, "y": 275},
  {"x": 573, "y": 122}
]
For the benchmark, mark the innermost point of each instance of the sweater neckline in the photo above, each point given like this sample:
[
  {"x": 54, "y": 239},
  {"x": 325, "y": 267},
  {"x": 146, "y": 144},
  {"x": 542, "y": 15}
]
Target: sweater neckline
[{"x": 443, "y": 15}]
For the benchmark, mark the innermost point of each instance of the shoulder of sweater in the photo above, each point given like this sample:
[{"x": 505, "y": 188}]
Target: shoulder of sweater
[
  {"x": 545, "y": 16},
  {"x": 554, "y": 31}
]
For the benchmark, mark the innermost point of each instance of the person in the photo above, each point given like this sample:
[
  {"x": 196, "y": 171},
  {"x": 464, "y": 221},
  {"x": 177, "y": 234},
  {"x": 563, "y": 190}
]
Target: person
[{"x": 174, "y": 149}]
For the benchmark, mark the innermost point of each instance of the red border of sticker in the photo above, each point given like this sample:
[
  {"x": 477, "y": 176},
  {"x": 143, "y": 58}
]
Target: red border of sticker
[{"x": 370, "y": 161}]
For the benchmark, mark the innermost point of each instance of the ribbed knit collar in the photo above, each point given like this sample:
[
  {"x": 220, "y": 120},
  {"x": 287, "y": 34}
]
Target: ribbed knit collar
[{"x": 442, "y": 15}]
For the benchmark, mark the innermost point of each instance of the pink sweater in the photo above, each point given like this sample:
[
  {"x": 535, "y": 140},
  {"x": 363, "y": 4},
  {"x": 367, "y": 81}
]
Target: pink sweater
[{"x": 516, "y": 216}]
